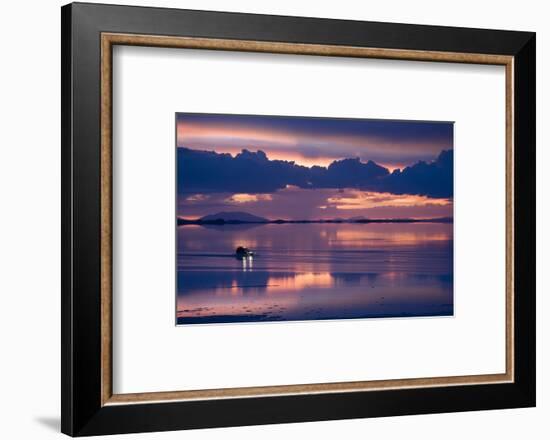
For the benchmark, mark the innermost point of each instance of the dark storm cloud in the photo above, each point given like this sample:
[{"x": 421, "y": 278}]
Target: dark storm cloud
[
  {"x": 253, "y": 173},
  {"x": 433, "y": 179}
]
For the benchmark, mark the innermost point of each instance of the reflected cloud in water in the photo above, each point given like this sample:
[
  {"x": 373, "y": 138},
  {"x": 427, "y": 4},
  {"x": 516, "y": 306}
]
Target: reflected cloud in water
[{"x": 315, "y": 271}]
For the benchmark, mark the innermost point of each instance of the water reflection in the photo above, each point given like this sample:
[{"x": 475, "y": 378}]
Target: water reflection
[
  {"x": 248, "y": 263},
  {"x": 314, "y": 271}
]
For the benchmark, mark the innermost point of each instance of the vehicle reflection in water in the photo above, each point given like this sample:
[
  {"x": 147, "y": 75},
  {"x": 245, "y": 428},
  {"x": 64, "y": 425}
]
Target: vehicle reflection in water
[{"x": 248, "y": 263}]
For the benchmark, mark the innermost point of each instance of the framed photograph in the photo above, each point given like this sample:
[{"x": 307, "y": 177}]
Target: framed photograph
[{"x": 276, "y": 219}]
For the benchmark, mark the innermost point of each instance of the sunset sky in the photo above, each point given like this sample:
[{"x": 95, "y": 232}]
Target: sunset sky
[{"x": 274, "y": 177}]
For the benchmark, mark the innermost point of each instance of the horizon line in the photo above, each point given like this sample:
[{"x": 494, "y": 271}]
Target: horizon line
[{"x": 221, "y": 220}]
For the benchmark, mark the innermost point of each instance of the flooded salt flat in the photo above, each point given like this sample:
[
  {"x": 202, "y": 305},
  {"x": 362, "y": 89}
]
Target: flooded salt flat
[{"x": 314, "y": 271}]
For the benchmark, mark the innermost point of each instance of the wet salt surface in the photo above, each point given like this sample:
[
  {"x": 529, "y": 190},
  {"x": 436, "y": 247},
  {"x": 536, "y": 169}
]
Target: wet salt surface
[{"x": 314, "y": 271}]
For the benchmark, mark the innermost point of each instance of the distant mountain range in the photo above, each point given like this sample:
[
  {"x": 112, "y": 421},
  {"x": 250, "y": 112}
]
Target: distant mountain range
[{"x": 236, "y": 218}]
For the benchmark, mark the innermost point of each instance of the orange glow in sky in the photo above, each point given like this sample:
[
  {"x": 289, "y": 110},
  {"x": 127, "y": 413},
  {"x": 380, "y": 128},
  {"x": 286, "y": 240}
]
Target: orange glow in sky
[
  {"x": 284, "y": 145},
  {"x": 355, "y": 199},
  {"x": 249, "y": 198}
]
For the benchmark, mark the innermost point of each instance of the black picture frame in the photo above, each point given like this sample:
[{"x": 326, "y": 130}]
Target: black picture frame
[{"x": 82, "y": 410}]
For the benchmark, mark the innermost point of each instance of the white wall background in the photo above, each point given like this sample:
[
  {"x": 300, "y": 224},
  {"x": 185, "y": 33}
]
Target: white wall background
[{"x": 29, "y": 224}]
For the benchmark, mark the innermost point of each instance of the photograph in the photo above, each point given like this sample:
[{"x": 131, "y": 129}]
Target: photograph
[{"x": 283, "y": 218}]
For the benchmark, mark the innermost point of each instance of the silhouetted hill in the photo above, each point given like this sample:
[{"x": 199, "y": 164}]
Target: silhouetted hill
[{"x": 233, "y": 216}]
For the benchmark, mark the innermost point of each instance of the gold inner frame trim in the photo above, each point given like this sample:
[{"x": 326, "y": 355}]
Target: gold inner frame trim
[{"x": 108, "y": 40}]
